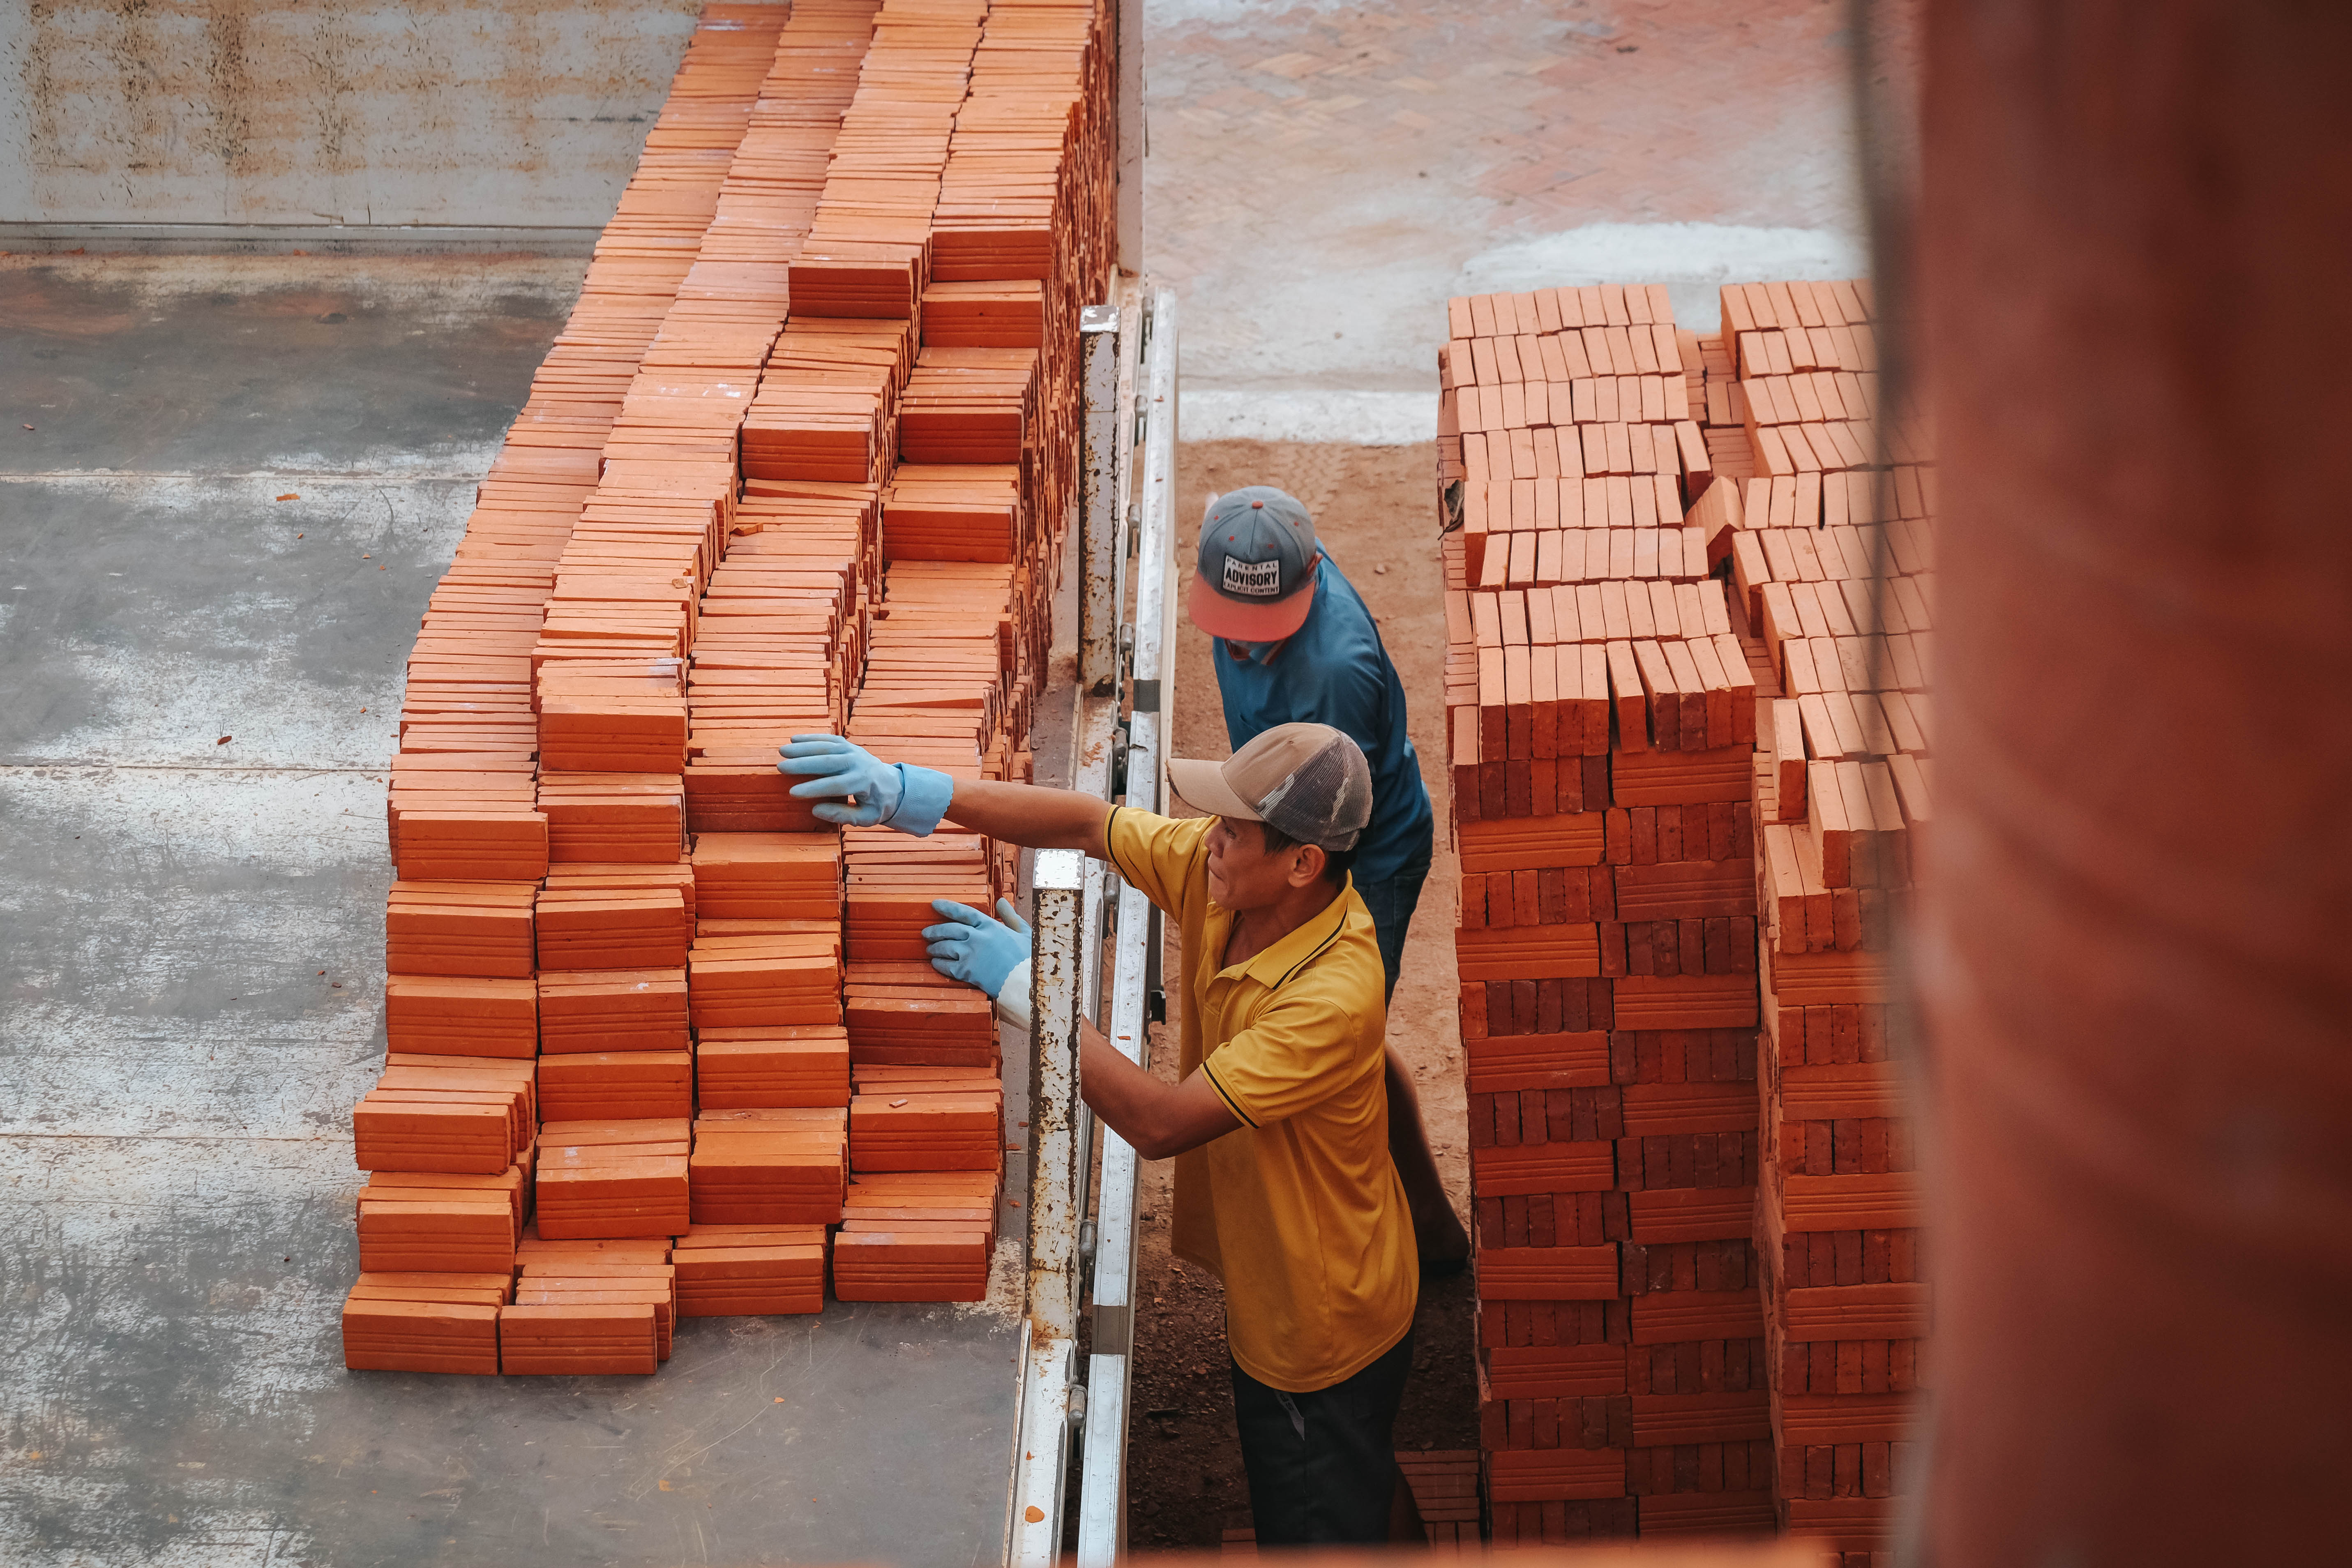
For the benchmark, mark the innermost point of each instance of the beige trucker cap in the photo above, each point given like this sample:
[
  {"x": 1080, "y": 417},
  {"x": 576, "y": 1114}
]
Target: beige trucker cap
[{"x": 1309, "y": 781}]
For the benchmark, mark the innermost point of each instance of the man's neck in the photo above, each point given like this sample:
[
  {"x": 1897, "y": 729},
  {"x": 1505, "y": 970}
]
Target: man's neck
[
  {"x": 1258, "y": 653},
  {"x": 1256, "y": 930}
]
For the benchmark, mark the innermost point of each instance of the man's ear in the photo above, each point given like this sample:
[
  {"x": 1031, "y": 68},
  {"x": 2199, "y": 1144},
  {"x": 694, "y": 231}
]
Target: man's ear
[{"x": 1308, "y": 868}]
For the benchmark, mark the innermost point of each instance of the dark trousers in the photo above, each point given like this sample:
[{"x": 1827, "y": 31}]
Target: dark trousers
[
  {"x": 1322, "y": 1466},
  {"x": 1390, "y": 903}
]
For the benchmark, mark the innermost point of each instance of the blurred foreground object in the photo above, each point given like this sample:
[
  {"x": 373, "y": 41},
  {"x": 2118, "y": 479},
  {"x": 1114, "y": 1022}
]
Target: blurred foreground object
[{"x": 2132, "y": 960}]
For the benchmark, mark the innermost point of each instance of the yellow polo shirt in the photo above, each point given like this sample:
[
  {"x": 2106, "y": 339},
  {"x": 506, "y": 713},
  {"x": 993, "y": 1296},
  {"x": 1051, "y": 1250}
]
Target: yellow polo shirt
[{"x": 1299, "y": 1210}]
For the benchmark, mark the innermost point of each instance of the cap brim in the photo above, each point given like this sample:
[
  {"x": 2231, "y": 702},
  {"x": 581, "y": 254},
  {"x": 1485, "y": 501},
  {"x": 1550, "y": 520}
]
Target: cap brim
[
  {"x": 1203, "y": 784},
  {"x": 1222, "y": 617}
]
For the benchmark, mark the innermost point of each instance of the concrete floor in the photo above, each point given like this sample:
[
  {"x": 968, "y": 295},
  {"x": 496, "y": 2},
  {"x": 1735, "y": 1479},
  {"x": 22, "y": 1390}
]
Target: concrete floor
[
  {"x": 201, "y": 682},
  {"x": 1323, "y": 174}
]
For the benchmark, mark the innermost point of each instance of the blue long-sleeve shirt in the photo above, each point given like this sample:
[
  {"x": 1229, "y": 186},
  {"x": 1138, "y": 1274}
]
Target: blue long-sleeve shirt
[{"x": 1334, "y": 671}]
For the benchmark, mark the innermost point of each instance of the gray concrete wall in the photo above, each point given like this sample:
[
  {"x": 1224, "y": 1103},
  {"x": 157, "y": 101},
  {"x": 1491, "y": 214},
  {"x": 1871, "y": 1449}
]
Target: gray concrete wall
[{"x": 181, "y": 118}]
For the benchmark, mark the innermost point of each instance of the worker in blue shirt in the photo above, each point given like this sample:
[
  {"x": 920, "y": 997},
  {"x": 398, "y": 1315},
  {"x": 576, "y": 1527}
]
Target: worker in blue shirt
[{"x": 1295, "y": 643}]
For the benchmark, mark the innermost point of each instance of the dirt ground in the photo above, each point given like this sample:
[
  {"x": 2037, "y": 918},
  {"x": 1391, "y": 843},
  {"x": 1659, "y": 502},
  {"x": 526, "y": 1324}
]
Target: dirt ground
[{"x": 1373, "y": 506}]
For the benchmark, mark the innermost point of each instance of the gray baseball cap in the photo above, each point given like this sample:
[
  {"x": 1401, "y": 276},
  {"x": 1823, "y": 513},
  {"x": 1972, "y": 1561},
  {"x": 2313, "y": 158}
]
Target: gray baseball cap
[
  {"x": 1310, "y": 781},
  {"x": 1256, "y": 576}
]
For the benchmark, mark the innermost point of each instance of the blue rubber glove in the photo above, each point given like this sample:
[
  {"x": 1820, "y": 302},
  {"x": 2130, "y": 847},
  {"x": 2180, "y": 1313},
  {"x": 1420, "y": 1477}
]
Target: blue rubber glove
[
  {"x": 836, "y": 772},
  {"x": 974, "y": 948}
]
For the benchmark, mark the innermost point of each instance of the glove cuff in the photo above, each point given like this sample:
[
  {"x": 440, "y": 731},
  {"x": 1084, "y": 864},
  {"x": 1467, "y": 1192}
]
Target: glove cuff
[
  {"x": 1012, "y": 996},
  {"x": 924, "y": 796}
]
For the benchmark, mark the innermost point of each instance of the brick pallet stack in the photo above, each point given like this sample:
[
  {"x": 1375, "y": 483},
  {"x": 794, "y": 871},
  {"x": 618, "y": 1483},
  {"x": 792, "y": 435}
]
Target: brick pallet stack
[
  {"x": 1796, "y": 1136},
  {"x": 928, "y": 1100},
  {"x": 450, "y": 1135},
  {"x": 600, "y": 864},
  {"x": 1601, "y": 710},
  {"x": 819, "y": 448},
  {"x": 1834, "y": 565},
  {"x": 747, "y": 1196},
  {"x": 776, "y": 640},
  {"x": 973, "y": 518},
  {"x": 1021, "y": 244},
  {"x": 1445, "y": 1494},
  {"x": 867, "y": 252}
]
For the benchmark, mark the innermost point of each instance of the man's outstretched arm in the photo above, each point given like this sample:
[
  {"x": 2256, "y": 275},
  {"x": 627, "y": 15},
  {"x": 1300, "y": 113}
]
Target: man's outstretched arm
[
  {"x": 1031, "y": 815},
  {"x": 1161, "y": 1119}
]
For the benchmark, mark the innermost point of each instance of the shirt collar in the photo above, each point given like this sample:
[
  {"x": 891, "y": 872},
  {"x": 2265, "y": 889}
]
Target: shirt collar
[{"x": 1286, "y": 957}]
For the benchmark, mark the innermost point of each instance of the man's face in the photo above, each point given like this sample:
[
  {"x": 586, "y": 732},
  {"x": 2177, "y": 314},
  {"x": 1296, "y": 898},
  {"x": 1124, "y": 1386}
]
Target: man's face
[{"x": 1244, "y": 876}]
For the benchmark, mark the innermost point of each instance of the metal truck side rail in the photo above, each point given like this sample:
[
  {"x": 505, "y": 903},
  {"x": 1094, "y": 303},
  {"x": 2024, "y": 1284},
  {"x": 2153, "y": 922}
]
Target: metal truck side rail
[
  {"x": 1086, "y": 916},
  {"x": 1102, "y": 1485}
]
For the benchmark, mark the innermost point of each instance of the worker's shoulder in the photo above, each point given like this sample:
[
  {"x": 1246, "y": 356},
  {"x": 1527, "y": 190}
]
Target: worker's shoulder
[
  {"x": 1346, "y": 606},
  {"x": 1150, "y": 833},
  {"x": 1342, "y": 629},
  {"x": 1170, "y": 846}
]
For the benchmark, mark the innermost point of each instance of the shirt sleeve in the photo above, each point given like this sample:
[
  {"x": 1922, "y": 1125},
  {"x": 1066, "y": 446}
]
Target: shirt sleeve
[
  {"x": 1299, "y": 1053},
  {"x": 1162, "y": 858}
]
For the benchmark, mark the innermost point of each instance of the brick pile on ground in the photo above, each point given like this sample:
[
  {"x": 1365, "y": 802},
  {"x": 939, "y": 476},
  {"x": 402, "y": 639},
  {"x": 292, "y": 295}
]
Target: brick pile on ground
[
  {"x": 1834, "y": 561},
  {"x": 1699, "y": 1275},
  {"x": 1601, "y": 710},
  {"x": 620, "y": 1066}
]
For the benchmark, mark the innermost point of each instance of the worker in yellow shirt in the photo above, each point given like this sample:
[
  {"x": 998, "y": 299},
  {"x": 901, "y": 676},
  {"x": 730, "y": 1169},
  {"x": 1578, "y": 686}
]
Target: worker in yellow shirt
[{"x": 1279, "y": 1125}]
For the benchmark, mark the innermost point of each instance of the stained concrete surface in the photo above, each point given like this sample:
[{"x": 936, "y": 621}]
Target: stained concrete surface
[
  {"x": 1322, "y": 174},
  {"x": 156, "y": 364},
  {"x": 198, "y": 685},
  {"x": 319, "y": 113}
]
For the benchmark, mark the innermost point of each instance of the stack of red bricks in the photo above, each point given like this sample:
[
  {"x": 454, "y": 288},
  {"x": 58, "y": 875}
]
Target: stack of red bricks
[
  {"x": 1700, "y": 1279},
  {"x": 452, "y": 1134},
  {"x": 1807, "y": 356},
  {"x": 1601, "y": 707},
  {"x": 1835, "y": 560},
  {"x": 928, "y": 1098},
  {"x": 971, "y": 529},
  {"x": 624, "y": 683},
  {"x": 617, "y": 949},
  {"x": 1445, "y": 1494}
]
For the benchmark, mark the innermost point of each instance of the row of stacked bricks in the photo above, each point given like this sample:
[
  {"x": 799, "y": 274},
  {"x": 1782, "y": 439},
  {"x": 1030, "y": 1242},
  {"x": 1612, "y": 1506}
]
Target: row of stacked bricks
[
  {"x": 951, "y": 251},
  {"x": 901, "y": 436},
  {"x": 1831, "y": 560},
  {"x": 652, "y": 979},
  {"x": 1601, "y": 693},
  {"x": 1731, "y": 1408},
  {"x": 525, "y": 869},
  {"x": 817, "y": 445}
]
